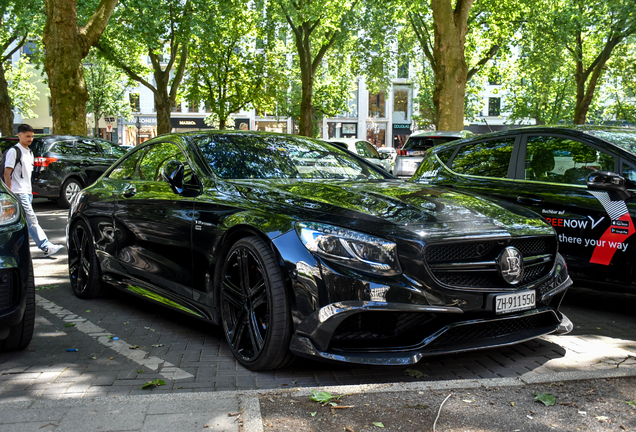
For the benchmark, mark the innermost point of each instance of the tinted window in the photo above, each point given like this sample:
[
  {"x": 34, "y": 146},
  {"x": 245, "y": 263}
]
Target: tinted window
[
  {"x": 156, "y": 157},
  {"x": 562, "y": 160},
  {"x": 488, "y": 158},
  {"x": 426, "y": 142},
  {"x": 445, "y": 155},
  {"x": 126, "y": 169},
  {"x": 62, "y": 147},
  {"x": 111, "y": 149},
  {"x": 364, "y": 149},
  {"x": 87, "y": 148},
  {"x": 238, "y": 156}
]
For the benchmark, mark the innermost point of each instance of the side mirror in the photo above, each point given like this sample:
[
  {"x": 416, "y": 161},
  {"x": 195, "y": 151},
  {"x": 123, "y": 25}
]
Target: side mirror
[
  {"x": 385, "y": 155},
  {"x": 607, "y": 181},
  {"x": 172, "y": 173}
]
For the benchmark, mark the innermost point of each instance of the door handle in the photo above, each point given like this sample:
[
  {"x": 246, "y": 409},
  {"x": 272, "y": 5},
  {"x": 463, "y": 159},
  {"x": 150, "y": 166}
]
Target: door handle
[
  {"x": 129, "y": 192},
  {"x": 532, "y": 200}
]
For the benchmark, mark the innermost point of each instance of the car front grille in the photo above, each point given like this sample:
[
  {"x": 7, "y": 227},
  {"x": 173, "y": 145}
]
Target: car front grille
[
  {"x": 472, "y": 264},
  {"x": 7, "y": 290},
  {"x": 494, "y": 329}
]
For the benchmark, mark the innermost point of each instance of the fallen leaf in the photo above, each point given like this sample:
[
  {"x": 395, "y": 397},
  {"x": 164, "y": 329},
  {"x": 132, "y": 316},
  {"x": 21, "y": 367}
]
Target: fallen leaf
[
  {"x": 348, "y": 429},
  {"x": 468, "y": 400},
  {"x": 546, "y": 398},
  {"x": 514, "y": 405},
  {"x": 140, "y": 371},
  {"x": 133, "y": 347},
  {"x": 69, "y": 325},
  {"x": 601, "y": 418},
  {"x": 153, "y": 383},
  {"x": 88, "y": 310},
  {"x": 378, "y": 424},
  {"x": 313, "y": 414},
  {"x": 320, "y": 397},
  {"x": 157, "y": 345},
  {"x": 414, "y": 373},
  {"x": 631, "y": 403}
]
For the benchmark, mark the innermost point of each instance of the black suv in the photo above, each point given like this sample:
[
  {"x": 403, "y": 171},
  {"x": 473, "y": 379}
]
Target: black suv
[{"x": 64, "y": 164}]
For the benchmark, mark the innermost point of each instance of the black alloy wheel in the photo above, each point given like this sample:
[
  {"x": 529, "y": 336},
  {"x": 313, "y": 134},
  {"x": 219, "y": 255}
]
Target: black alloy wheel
[
  {"x": 83, "y": 267},
  {"x": 254, "y": 306}
]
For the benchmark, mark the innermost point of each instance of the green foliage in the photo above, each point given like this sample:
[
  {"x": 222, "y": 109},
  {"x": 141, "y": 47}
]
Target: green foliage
[
  {"x": 317, "y": 29},
  {"x": 235, "y": 65},
  {"x": 107, "y": 86},
  {"x": 22, "y": 90}
]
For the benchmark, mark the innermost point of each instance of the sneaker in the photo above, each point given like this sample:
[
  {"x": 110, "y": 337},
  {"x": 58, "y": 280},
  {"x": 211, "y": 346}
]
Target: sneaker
[{"x": 53, "y": 249}]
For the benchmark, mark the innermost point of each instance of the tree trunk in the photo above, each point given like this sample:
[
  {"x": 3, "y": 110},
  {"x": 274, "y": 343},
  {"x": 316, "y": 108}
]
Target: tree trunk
[
  {"x": 306, "y": 123},
  {"x": 164, "y": 107},
  {"x": 451, "y": 71},
  {"x": 66, "y": 46},
  {"x": 6, "y": 113}
]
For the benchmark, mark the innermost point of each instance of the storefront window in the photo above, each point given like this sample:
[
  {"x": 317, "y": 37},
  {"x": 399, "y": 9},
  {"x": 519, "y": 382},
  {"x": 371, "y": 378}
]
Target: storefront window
[
  {"x": 270, "y": 126},
  {"x": 342, "y": 130},
  {"x": 377, "y": 104},
  {"x": 401, "y": 104},
  {"x": 376, "y": 134}
]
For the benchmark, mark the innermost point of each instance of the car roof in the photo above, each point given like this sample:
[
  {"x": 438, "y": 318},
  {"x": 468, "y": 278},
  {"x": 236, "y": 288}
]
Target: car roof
[
  {"x": 455, "y": 134},
  {"x": 580, "y": 131}
]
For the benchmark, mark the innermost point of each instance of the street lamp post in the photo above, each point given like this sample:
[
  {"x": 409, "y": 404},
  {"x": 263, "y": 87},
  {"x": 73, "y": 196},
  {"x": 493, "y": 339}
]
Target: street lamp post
[{"x": 138, "y": 124}]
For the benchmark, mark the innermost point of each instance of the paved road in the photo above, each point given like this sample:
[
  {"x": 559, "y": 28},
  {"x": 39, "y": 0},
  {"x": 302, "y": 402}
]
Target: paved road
[{"x": 122, "y": 343}]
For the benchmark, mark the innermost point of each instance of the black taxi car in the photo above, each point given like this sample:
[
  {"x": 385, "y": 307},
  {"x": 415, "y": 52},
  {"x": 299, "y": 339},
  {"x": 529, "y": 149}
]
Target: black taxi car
[{"x": 581, "y": 179}]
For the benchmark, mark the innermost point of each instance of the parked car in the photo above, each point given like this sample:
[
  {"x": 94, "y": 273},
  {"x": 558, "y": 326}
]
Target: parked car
[
  {"x": 17, "y": 289},
  {"x": 579, "y": 178},
  {"x": 388, "y": 153},
  {"x": 363, "y": 149},
  {"x": 64, "y": 164},
  {"x": 299, "y": 247},
  {"x": 410, "y": 156}
]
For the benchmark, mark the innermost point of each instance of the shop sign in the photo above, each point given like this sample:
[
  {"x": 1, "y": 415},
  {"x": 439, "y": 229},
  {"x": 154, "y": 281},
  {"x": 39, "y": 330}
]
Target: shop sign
[{"x": 144, "y": 121}]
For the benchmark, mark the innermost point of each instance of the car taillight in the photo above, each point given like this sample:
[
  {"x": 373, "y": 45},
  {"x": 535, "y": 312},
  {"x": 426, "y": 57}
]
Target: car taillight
[
  {"x": 404, "y": 153},
  {"x": 43, "y": 161}
]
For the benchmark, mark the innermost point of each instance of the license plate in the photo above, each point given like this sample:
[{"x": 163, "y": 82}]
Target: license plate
[{"x": 515, "y": 302}]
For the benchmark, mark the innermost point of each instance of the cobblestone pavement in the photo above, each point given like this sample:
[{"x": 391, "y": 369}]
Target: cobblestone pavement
[{"x": 114, "y": 345}]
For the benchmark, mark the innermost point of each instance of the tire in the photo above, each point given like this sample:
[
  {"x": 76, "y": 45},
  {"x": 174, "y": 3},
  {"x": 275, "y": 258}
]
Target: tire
[
  {"x": 83, "y": 267},
  {"x": 255, "y": 309},
  {"x": 20, "y": 334},
  {"x": 70, "y": 188}
]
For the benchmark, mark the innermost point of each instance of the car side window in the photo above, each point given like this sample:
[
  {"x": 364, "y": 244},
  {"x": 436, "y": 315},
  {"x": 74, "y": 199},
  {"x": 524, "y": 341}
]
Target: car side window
[
  {"x": 63, "y": 148},
  {"x": 629, "y": 172},
  {"x": 127, "y": 168},
  {"x": 487, "y": 158},
  {"x": 87, "y": 148},
  {"x": 554, "y": 159},
  {"x": 157, "y": 156},
  {"x": 366, "y": 150}
]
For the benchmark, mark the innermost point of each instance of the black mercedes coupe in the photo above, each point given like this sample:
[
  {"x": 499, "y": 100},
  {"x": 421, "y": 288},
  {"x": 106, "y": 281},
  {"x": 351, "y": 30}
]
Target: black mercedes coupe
[{"x": 297, "y": 247}]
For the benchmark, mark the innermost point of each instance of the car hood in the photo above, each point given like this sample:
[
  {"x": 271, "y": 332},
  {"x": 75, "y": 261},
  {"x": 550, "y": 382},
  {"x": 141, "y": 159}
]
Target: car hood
[{"x": 391, "y": 207}]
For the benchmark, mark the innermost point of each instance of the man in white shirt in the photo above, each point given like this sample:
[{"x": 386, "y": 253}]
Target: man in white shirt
[{"x": 17, "y": 177}]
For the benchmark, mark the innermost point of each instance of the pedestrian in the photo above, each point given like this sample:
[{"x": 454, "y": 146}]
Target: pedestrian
[{"x": 18, "y": 180}]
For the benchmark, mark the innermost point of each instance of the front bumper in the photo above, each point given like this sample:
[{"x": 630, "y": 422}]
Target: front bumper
[{"x": 387, "y": 333}]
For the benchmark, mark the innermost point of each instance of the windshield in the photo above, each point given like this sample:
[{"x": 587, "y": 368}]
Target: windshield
[
  {"x": 626, "y": 139},
  {"x": 264, "y": 156}
]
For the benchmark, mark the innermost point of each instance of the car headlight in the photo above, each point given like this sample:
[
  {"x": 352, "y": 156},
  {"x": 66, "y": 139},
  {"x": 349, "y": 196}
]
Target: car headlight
[
  {"x": 9, "y": 210},
  {"x": 350, "y": 248}
]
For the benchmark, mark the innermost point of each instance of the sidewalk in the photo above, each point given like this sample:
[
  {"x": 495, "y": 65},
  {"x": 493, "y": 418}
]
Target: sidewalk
[{"x": 240, "y": 411}]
